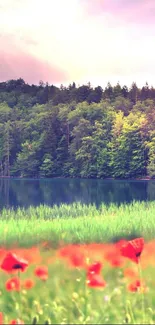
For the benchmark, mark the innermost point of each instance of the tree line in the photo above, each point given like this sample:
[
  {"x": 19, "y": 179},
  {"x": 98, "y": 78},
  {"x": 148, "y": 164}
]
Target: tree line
[{"x": 46, "y": 131}]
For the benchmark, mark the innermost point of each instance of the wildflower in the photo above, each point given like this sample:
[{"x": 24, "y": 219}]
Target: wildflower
[
  {"x": 94, "y": 268},
  {"x": 28, "y": 284},
  {"x": 137, "y": 285},
  {"x": 133, "y": 249},
  {"x": 1, "y": 318},
  {"x": 12, "y": 263},
  {"x": 41, "y": 272},
  {"x": 13, "y": 284},
  {"x": 77, "y": 259},
  {"x": 16, "y": 321},
  {"x": 95, "y": 281},
  {"x": 107, "y": 298}
]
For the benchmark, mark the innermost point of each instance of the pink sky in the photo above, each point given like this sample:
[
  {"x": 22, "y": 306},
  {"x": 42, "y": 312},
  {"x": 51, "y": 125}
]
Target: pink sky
[{"x": 61, "y": 41}]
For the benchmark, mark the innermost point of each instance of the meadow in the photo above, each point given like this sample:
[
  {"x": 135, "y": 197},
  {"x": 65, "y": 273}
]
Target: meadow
[
  {"x": 76, "y": 223},
  {"x": 81, "y": 265}
]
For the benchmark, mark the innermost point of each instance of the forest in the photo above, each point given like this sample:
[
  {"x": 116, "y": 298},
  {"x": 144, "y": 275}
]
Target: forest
[{"x": 76, "y": 131}]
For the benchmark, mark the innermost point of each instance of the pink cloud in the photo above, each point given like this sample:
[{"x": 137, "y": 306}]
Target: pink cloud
[
  {"x": 28, "y": 67},
  {"x": 137, "y": 11}
]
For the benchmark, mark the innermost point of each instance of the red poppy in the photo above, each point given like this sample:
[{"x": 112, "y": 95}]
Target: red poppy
[
  {"x": 95, "y": 281},
  {"x": 17, "y": 321},
  {"x": 1, "y": 318},
  {"x": 133, "y": 249},
  {"x": 94, "y": 268},
  {"x": 28, "y": 284},
  {"x": 12, "y": 263},
  {"x": 13, "y": 284},
  {"x": 41, "y": 272},
  {"x": 77, "y": 259},
  {"x": 137, "y": 285}
]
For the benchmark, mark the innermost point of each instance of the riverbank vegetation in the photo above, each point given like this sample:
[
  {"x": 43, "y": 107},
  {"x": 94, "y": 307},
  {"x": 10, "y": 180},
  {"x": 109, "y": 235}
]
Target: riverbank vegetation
[
  {"x": 76, "y": 223},
  {"x": 73, "y": 131}
]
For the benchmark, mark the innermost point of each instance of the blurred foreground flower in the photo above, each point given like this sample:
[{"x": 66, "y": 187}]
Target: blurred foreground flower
[
  {"x": 133, "y": 249},
  {"x": 16, "y": 321},
  {"x": 1, "y": 318},
  {"x": 95, "y": 281},
  {"x": 94, "y": 268},
  {"x": 137, "y": 285},
  {"x": 41, "y": 272},
  {"x": 12, "y": 263},
  {"x": 28, "y": 284},
  {"x": 13, "y": 284}
]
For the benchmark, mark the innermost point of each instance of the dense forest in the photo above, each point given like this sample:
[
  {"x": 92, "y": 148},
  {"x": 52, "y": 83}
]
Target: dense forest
[{"x": 46, "y": 131}]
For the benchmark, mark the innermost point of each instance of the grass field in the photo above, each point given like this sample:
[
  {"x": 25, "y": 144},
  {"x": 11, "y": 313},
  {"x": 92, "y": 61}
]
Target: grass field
[
  {"x": 77, "y": 223},
  {"x": 68, "y": 283}
]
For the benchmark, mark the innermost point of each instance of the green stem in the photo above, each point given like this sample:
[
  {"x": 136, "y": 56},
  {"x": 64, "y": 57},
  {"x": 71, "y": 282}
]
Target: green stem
[
  {"x": 19, "y": 295},
  {"x": 131, "y": 312},
  {"x": 142, "y": 293}
]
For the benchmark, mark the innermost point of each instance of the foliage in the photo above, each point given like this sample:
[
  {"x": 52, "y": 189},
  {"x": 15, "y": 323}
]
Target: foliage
[{"x": 73, "y": 131}]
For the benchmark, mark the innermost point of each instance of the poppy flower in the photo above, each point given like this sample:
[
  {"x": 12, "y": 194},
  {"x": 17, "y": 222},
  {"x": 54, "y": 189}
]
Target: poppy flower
[
  {"x": 28, "y": 284},
  {"x": 12, "y": 263},
  {"x": 13, "y": 284},
  {"x": 95, "y": 281},
  {"x": 41, "y": 272},
  {"x": 133, "y": 249},
  {"x": 1, "y": 318},
  {"x": 137, "y": 285},
  {"x": 94, "y": 268},
  {"x": 17, "y": 321},
  {"x": 77, "y": 259}
]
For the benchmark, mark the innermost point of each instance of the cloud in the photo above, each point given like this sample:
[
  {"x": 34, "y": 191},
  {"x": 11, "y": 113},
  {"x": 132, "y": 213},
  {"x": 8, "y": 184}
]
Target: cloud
[
  {"x": 72, "y": 40},
  {"x": 31, "y": 69},
  {"x": 127, "y": 11}
]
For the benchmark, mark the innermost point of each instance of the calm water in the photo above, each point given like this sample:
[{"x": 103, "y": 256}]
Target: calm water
[{"x": 26, "y": 192}]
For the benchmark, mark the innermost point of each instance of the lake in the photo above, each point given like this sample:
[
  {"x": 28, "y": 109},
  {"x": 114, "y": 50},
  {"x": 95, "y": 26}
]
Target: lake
[{"x": 25, "y": 192}]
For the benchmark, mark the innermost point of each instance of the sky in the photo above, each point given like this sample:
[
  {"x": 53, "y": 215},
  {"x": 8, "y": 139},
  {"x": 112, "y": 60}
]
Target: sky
[{"x": 61, "y": 41}]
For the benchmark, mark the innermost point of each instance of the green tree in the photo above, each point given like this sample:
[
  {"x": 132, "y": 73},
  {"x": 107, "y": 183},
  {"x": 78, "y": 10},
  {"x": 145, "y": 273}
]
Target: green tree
[
  {"x": 47, "y": 168},
  {"x": 151, "y": 156},
  {"x": 27, "y": 165}
]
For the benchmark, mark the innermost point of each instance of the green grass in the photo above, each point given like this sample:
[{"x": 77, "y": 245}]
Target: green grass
[
  {"x": 65, "y": 298},
  {"x": 77, "y": 223}
]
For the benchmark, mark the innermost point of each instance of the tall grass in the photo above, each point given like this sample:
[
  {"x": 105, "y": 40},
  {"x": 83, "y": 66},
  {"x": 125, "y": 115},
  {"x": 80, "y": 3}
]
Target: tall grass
[{"x": 77, "y": 223}]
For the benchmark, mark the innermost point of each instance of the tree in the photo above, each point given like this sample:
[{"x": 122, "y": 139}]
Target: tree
[
  {"x": 108, "y": 92},
  {"x": 134, "y": 93},
  {"x": 151, "y": 156},
  {"x": 27, "y": 165},
  {"x": 47, "y": 168},
  {"x": 127, "y": 147},
  {"x": 6, "y": 149}
]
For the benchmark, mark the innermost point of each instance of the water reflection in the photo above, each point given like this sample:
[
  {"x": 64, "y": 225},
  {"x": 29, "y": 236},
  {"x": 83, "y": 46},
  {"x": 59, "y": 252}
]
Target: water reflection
[{"x": 26, "y": 192}]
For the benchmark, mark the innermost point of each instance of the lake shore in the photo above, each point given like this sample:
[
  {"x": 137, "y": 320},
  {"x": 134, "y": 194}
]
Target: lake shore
[{"x": 146, "y": 178}]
